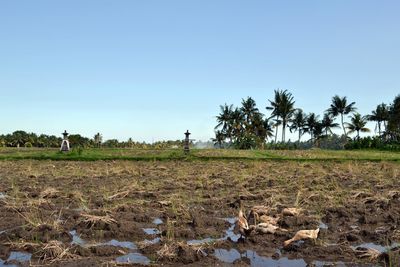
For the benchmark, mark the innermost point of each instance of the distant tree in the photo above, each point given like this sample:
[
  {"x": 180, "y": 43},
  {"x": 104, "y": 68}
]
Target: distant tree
[
  {"x": 318, "y": 131},
  {"x": 19, "y": 138},
  {"x": 393, "y": 126},
  {"x": 112, "y": 143},
  {"x": 328, "y": 123},
  {"x": 237, "y": 124},
  {"x": 224, "y": 120},
  {"x": 262, "y": 129},
  {"x": 298, "y": 122},
  {"x": 379, "y": 115},
  {"x": 311, "y": 124},
  {"x": 340, "y": 107},
  {"x": 130, "y": 143},
  {"x": 286, "y": 110},
  {"x": 249, "y": 110},
  {"x": 274, "y": 106},
  {"x": 219, "y": 138},
  {"x": 357, "y": 124},
  {"x": 76, "y": 140}
]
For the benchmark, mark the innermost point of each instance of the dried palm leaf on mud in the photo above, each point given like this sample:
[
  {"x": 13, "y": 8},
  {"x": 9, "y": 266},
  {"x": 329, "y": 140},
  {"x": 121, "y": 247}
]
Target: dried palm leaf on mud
[
  {"x": 269, "y": 219},
  {"x": 242, "y": 223},
  {"x": 302, "y": 235},
  {"x": 266, "y": 228},
  {"x": 260, "y": 210},
  {"x": 291, "y": 212}
]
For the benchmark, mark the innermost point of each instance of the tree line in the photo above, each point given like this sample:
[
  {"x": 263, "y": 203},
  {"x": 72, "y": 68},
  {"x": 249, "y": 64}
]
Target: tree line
[
  {"x": 246, "y": 127},
  {"x": 23, "y": 139}
]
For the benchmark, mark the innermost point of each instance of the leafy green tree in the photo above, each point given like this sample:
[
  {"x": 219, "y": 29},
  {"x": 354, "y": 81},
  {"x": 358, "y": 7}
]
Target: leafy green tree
[
  {"x": 112, "y": 143},
  {"x": 358, "y": 124},
  {"x": 76, "y": 140},
  {"x": 379, "y": 115},
  {"x": 340, "y": 107},
  {"x": 19, "y": 138},
  {"x": 327, "y": 123}
]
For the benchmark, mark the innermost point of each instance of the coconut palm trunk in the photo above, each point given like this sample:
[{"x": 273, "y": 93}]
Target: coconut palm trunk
[
  {"x": 344, "y": 128},
  {"x": 379, "y": 128}
]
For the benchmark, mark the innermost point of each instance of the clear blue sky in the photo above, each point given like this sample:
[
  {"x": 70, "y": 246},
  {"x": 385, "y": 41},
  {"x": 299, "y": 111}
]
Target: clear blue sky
[{"x": 152, "y": 69}]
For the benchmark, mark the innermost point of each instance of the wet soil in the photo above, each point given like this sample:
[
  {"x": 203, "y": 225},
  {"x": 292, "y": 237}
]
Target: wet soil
[{"x": 183, "y": 213}]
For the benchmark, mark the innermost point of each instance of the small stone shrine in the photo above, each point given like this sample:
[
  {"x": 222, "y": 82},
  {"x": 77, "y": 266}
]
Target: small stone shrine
[
  {"x": 65, "y": 142},
  {"x": 186, "y": 142}
]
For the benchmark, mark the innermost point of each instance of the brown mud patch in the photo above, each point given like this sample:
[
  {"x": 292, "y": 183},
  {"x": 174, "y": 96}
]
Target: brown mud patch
[{"x": 181, "y": 213}]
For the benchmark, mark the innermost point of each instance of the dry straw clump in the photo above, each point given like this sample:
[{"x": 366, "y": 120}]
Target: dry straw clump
[
  {"x": 92, "y": 220},
  {"x": 55, "y": 251}
]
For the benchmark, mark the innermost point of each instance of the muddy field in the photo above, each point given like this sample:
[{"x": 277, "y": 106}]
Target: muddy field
[{"x": 123, "y": 213}]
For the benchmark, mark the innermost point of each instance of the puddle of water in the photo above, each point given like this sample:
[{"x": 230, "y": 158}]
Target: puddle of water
[
  {"x": 122, "y": 244},
  {"x": 2, "y": 195},
  {"x": 76, "y": 239},
  {"x": 133, "y": 258},
  {"x": 229, "y": 234},
  {"x": 376, "y": 246},
  {"x": 327, "y": 263},
  {"x": 232, "y": 255},
  {"x": 157, "y": 221},
  {"x": 20, "y": 256},
  {"x": 323, "y": 226},
  {"x": 231, "y": 220},
  {"x": 3, "y": 263},
  {"x": 151, "y": 231},
  {"x": 202, "y": 241},
  {"x": 154, "y": 241}
]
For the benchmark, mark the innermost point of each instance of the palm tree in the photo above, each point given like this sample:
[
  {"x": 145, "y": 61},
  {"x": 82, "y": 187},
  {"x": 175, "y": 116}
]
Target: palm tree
[
  {"x": 358, "y": 124},
  {"x": 318, "y": 132},
  {"x": 298, "y": 121},
  {"x": 249, "y": 109},
  {"x": 219, "y": 138},
  {"x": 311, "y": 124},
  {"x": 261, "y": 128},
  {"x": 393, "y": 124},
  {"x": 328, "y": 123},
  {"x": 339, "y": 106},
  {"x": 286, "y": 110},
  {"x": 274, "y": 104},
  {"x": 237, "y": 123},
  {"x": 224, "y": 119},
  {"x": 380, "y": 114}
]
